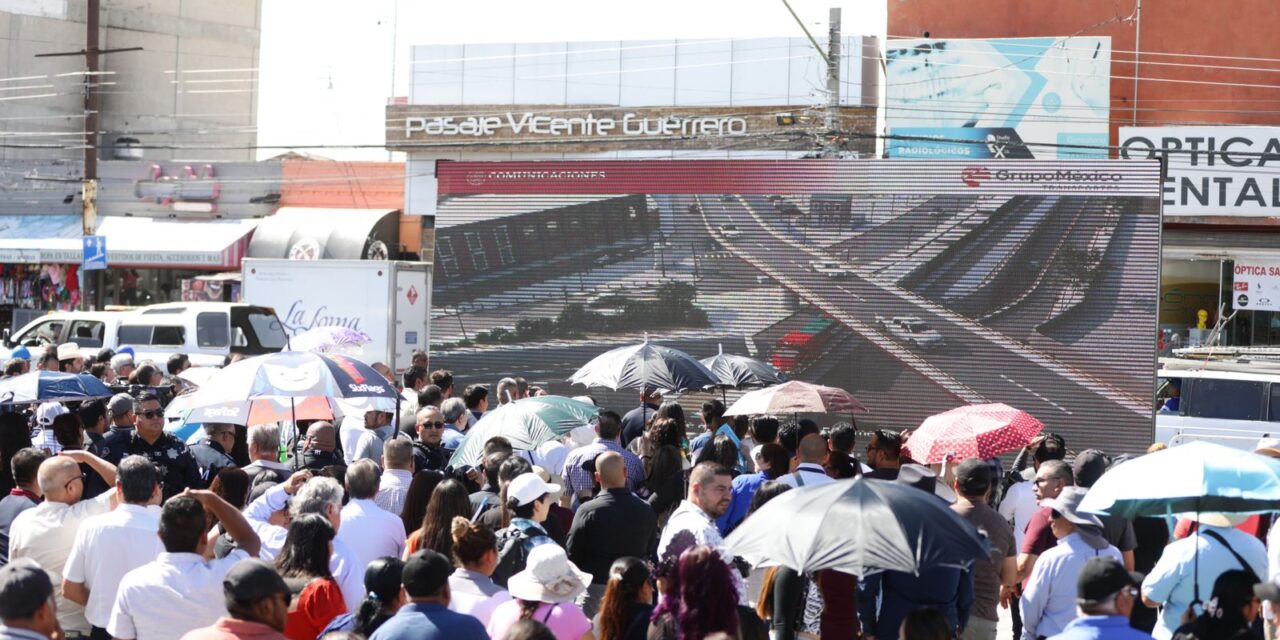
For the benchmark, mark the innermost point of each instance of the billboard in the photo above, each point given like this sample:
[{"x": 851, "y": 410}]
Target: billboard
[
  {"x": 916, "y": 286},
  {"x": 1003, "y": 98},
  {"x": 1212, "y": 171}
]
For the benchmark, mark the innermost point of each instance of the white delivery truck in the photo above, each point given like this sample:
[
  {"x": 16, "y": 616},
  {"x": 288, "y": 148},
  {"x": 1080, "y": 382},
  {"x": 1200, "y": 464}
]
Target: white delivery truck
[{"x": 390, "y": 301}]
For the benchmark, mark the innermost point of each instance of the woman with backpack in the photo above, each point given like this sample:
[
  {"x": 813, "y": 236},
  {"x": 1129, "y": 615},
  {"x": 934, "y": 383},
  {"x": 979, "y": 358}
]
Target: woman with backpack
[{"x": 528, "y": 500}]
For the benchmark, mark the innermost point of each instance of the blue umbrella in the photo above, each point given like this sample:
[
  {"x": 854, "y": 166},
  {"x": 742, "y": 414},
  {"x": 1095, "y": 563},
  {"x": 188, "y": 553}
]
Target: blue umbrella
[
  {"x": 51, "y": 386},
  {"x": 1194, "y": 477}
]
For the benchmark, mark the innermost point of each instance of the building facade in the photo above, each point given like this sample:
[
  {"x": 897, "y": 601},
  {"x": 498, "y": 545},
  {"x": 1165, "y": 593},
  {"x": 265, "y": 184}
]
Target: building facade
[{"x": 189, "y": 92}]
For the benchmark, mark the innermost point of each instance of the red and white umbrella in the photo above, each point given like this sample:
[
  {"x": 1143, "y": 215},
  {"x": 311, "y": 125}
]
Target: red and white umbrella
[
  {"x": 972, "y": 431},
  {"x": 795, "y": 397}
]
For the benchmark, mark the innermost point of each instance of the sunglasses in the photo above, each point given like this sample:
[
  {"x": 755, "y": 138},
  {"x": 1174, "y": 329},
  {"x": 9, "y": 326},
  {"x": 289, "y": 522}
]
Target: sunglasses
[
  {"x": 433, "y": 425},
  {"x": 155, "y": 413}
]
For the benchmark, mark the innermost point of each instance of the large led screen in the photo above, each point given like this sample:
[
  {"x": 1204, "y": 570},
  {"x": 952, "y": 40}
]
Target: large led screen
[{"x": 917, "y": 286}]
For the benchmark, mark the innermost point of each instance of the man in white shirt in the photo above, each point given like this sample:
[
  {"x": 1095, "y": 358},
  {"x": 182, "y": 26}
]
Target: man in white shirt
[
  {"x": 807, "y": 470},
  {"x": 46, "y": 533},
  {"x": 370, "y": 531},
  {"x": 110, "y": 545},
  {"x": 180, "y": 590},
  {"x": 318, "y": 495},
  {"x": 694, "y": 521},
  {"x": 397, "y": 459}
]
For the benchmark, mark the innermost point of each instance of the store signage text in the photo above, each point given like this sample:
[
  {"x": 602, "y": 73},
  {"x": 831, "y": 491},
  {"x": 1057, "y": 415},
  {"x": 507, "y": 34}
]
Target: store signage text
[
  {"x": 588, "y": 125},
  {"x": 299, "y": 318},
  {"x": 1256, "y": 286},
  {"x": 1212, "y": 170}
]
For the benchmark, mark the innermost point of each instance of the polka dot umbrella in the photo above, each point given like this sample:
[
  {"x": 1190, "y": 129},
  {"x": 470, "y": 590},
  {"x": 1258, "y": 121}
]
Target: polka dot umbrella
[{"x": 972, "y": 431}]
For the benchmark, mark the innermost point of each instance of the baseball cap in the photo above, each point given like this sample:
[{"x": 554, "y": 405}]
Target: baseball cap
[
  {"x": 973, "y": 476},
  {"x": 120, "y": 404},
  {"x": 24, "y": 587},
  {"x": 1101, "y": 578},
  {"x": 48, "y": 411},
  {"x": 120, "y": 360},
  {"x": 21, "y": 353},
  {"x": 425, "y": 573},
  {"x": 68, "y": 351},
  {"x": 1088, "y": 466},
  {"x": 527, "y": 487},
  {"x": 252, "y": 580}
]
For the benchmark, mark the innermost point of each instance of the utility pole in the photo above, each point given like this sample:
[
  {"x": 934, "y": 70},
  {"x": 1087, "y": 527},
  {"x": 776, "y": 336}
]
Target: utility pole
[
  {"x": 89, "y": 181},
  {"x": 831, "y": 119},
  {"x": 831, "y": 146}
]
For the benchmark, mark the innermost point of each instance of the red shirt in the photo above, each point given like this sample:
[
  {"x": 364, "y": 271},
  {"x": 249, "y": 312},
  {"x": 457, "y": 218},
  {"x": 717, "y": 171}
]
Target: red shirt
[
  {"x": 233, "y": 629},
  {"x": 1039, "y": 538},
  {"x": 318, "y": 604}
]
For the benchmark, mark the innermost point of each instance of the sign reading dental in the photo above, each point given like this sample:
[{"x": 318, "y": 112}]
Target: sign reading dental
[
  {"x": 1255, "y": 286},
  {"x": 630, "y": 124},
  {"x": 1212, "y": 171}
]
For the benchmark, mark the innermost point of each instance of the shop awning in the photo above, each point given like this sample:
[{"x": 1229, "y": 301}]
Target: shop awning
[
  {"x": 131, "y": 242},
  {"x": 304, "y": 233}
]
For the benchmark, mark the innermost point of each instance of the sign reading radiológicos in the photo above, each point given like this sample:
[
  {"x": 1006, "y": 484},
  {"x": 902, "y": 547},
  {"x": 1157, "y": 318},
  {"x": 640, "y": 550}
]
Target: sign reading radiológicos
[
  {"x": 1212, "y": 171},
  {"x": 1255, "y": 286}
]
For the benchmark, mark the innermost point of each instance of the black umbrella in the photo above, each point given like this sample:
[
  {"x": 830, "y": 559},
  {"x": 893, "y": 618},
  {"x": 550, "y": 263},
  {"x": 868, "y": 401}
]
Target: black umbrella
[
  {"x": 858, "y": 527},
  {"x": 739, "y": 372},
  {"x": 645, "y": 366}
]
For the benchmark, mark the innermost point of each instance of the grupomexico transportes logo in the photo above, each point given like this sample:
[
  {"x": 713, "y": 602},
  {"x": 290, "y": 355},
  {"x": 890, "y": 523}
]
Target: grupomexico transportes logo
[{"x": 972, "y": 175}]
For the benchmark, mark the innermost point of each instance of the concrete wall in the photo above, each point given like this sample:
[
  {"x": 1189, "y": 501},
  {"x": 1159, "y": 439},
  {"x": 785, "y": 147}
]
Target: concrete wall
[{"x": 168, "y": 95}]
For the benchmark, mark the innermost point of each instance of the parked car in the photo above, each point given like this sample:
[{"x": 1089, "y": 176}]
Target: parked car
[
  {"x": 91, "y": 330},
  {"x": 829, "y": 268},
  {"x": 911, "y": 330},
  {"x": 206, "y": 331},
  {"x": 1231, "y": 404}
]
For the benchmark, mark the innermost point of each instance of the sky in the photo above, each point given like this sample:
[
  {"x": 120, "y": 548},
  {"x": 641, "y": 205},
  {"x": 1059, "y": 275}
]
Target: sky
[{"x": 326, "y": 66}]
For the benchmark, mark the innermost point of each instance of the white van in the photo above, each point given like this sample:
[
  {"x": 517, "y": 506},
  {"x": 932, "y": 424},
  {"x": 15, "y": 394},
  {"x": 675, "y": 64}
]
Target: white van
[
  {"x": 206, "y": 331},
  {"x": 1232, "y": 405},
  {"x": 91, "y": 330}
]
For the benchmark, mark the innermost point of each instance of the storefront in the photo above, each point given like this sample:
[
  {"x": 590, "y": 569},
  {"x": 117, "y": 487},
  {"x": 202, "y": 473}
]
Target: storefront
[{"x": 1221, "y": 209}]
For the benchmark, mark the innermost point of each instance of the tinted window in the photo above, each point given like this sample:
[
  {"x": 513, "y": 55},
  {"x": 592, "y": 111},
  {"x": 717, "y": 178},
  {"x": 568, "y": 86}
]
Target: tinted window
[
  {"x": 1226, "y": 399},
  {"x": 1274, "y": 410},
  {"x": 169, "y": 336},
  {"x": 86, "y": 333},
  {"x": 133, "y": 334},
  {"x": 212, "y": 330}
]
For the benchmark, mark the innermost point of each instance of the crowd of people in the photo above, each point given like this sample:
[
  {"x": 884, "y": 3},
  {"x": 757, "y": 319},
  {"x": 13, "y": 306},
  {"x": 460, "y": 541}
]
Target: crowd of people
[{"x": 112, "y": 527}]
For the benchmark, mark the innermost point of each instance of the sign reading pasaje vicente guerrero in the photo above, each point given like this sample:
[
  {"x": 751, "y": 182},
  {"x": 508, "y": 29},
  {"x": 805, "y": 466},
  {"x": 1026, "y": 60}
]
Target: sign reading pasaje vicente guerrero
[
  {"x": 589, "y": 128},
  {"x": 1256, "y": 285}
]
